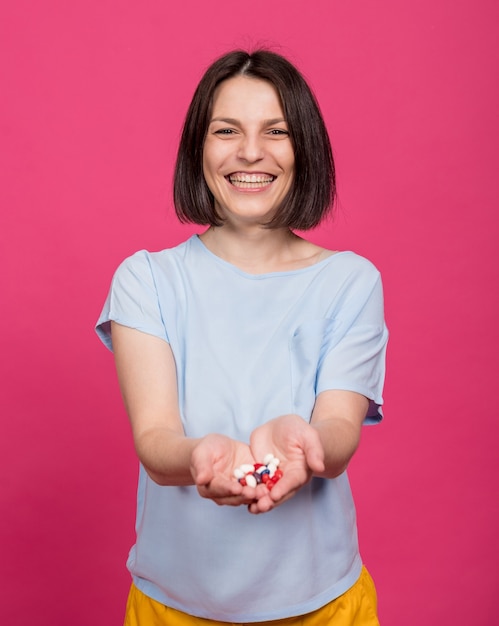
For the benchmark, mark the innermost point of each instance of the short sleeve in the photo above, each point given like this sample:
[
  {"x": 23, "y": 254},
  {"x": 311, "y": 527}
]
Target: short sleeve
[
  {"x": 353, "y": 357},
  {"x": 132, "y": 300}
]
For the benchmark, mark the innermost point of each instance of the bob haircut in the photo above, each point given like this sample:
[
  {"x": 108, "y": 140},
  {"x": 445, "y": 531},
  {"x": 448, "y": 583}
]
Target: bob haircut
[{"x": 313, "y": 191}]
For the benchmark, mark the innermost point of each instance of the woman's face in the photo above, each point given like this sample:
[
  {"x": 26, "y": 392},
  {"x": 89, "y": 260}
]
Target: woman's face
[{"x": 248, "y": 157}]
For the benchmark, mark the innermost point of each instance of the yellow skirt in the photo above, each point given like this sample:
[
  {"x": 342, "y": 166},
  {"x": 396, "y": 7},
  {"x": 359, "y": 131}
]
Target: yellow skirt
[{"x": 356, "y": 607}]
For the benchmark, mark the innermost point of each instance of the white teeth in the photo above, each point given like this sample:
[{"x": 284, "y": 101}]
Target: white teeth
[{"x": 250, "y": 178}]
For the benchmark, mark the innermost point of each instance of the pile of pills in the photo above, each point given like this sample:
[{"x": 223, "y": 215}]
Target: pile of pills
[{"x": 267, "y": 472}]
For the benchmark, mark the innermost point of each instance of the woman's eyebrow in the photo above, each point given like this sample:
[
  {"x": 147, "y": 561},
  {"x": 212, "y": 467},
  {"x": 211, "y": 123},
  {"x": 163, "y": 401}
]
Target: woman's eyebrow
[
  {"x": 235, "y": 122},
  {"x": 227, "y": 120},
  {"x": 274, "y": 120}
]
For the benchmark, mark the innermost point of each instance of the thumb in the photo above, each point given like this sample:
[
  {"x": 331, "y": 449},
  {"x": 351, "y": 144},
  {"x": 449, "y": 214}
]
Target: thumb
[
  {"x": 314, "y": 453},
  {"x": 201, "y": 465}
]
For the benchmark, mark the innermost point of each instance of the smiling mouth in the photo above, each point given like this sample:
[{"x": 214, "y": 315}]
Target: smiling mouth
[{"x": 250, "y": 181}]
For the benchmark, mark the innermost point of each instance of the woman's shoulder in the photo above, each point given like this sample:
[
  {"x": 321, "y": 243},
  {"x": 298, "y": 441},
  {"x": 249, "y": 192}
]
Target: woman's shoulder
[
  {"x": 349, "y": 272},
  {"x": 346, "y": 260},
  {"x": 147, "y": 258},
  {"x": 354, "y": 260},
  {"x": 343, "y": 261}
]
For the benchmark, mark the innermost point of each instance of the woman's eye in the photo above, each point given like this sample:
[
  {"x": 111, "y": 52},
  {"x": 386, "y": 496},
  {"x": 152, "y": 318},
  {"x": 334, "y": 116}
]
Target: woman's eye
[
  {"x": 279, "y": 131},
  {"x": 224, "y": 131}
]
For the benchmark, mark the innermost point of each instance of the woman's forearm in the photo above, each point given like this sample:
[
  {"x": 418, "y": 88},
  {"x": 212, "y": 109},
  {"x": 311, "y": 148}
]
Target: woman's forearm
[
  {"x": 166, "y": 455},
  {"x": 338, "y": 417},
  {"x": 340, "y": 439}
]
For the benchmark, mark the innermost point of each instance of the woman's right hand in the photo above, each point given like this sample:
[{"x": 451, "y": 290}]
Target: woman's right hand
[{"x": 212, "y": 465}]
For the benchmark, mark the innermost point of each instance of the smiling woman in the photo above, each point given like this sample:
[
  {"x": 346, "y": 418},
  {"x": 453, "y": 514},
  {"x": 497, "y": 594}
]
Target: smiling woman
[
  {"x": 248, "y": 161},
  {"x": 242, "y": 341},
  {"x": 312, "y": 193}
]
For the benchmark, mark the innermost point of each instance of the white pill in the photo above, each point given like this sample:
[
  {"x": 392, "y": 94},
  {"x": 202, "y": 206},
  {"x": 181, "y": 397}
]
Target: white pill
[
  {"x": 238, "y": 473},
  {"x": 246, "y": 467},
  {"x": 276, "y": 461},
  {"x": 268, "y": 458},
  {"x": 272, "y": 468},
  {"x": 250, "y": 480}
]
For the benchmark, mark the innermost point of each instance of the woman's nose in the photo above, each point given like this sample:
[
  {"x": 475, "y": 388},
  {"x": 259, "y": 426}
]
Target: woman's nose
[{"x": 251, "y": 148}]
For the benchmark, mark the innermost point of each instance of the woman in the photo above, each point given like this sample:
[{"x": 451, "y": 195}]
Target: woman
[{"x": 245, "y": 340}]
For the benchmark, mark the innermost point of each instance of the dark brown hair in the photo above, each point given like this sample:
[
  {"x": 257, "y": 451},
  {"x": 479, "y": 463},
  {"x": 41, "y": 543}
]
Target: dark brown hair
[{"x": 312, "y": 194}]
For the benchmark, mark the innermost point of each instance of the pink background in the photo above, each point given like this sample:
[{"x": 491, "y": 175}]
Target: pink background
[{"x": 93, "y": 97}]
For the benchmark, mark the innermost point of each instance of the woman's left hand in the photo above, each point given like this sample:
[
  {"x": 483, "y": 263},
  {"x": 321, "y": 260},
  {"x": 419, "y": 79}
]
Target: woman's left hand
[{"x": 298, "y": 447}]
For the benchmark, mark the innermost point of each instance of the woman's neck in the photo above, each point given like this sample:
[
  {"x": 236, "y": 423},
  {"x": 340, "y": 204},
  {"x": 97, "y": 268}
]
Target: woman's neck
[{"x": 259, "y": 250}]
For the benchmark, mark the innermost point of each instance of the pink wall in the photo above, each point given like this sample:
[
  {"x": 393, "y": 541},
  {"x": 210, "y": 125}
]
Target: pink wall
[{"x": 93, "y": 96}]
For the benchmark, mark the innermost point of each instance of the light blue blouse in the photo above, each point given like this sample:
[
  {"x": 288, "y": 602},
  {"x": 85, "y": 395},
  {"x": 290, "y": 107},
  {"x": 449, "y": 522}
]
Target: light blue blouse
[{"x": 247, "y": 349}]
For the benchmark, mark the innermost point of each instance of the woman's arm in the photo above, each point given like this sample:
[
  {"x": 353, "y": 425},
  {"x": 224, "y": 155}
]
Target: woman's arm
[
  {"x": 148, "y": 380},
  {"x": 338, "y": 417},
  {"x": 322, "y": 448}
]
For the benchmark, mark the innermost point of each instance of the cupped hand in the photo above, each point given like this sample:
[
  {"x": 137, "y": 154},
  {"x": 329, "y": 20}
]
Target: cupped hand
[
  {"x": 212, "y": 465},
  {"x": 298, "y": 447}
]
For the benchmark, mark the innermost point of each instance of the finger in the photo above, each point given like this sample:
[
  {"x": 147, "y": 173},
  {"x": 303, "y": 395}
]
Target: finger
[
  {"x": 281, "y": 493},
  {"x": 314, "y": 452},
  {"x": 202, "y": 467},
  {"x": 315, "y": 459},
  {"x": 233, "y": 501},
  {"x": 202, "y": 475},
  {"x": 262, "y": 505},
  {"x": 242, "y": 496},
  {"x": 222, "y": 486},
  {"x": 206, "y": 491}
]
